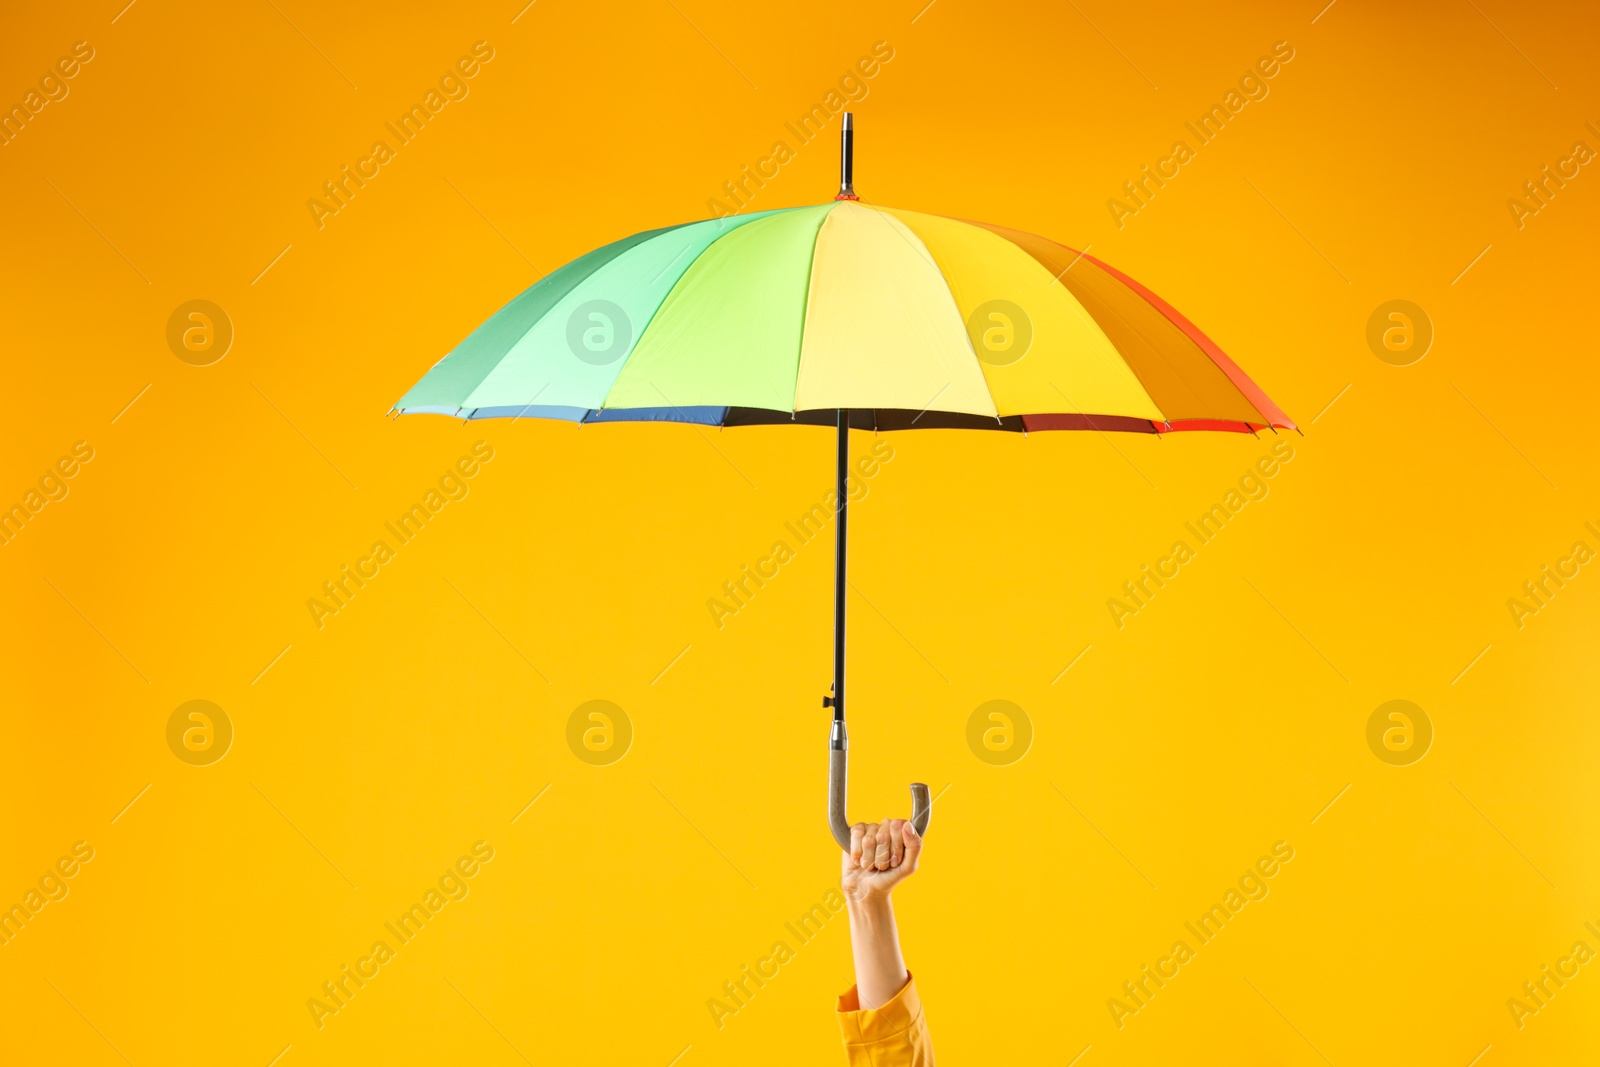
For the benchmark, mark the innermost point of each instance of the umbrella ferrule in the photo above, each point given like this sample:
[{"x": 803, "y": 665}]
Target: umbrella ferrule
[
  {"x": 847, "y": 159},
  {"x": 838, "y": 738}
]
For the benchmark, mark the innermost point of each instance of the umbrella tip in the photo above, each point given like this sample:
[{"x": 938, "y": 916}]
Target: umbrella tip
[{"x": 847, "y": 139}]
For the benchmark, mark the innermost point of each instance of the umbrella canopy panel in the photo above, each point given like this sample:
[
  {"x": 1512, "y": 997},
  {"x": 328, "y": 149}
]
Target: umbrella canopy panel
[{"x": 907, "y": 320}]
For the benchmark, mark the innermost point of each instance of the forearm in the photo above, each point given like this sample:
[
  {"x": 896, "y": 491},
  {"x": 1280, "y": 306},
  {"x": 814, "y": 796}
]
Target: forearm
[{"x": 875, "y": 942}]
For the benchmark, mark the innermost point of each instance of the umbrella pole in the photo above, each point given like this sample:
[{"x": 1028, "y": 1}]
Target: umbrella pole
[
  {"x": 838, "y": 738},
  {"x": 841, "y": 535}
]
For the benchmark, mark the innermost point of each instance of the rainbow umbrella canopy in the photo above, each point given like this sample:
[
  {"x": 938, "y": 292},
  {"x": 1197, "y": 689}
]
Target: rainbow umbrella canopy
[
  {"x": 908, "y": 320},
  {"x": 848, "y": 314}
]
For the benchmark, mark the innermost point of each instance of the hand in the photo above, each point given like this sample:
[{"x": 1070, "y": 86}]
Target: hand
[{"x": 881, "y": 856}]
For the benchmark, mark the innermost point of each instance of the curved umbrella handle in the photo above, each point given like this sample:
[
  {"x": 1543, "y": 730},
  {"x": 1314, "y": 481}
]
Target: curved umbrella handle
[{"x": 838, "y": 775}]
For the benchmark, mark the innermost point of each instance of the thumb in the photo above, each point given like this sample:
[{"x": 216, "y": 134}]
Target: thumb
[{"x": 913, "y": 846}]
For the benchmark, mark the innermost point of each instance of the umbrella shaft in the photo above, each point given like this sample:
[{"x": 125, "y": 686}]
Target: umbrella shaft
[{"x": 840, "y": 534}]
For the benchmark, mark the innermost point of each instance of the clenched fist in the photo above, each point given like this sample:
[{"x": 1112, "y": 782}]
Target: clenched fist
[{"x": 881, "y": 856}]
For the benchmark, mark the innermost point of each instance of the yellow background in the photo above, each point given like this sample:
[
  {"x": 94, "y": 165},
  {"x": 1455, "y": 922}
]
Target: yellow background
[{"x": 1220, "y": 719}]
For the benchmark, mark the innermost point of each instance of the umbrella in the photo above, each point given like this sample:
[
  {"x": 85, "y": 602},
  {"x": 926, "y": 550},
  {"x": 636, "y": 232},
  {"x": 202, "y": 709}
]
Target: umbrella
[{"x": 852, "y": 315}]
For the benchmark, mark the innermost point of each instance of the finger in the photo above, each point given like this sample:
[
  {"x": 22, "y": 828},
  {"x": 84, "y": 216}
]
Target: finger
[
  {"x": 881, "y": 859},
  {"x": 857, "y": 832},
  {"x": 897, "y": 843},
  {"x": 869, "y": 845},
  {"x": 913, "y": 847}
]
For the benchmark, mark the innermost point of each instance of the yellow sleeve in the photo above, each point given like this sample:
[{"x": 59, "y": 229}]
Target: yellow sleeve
[{"x": 895, "y": 1035}]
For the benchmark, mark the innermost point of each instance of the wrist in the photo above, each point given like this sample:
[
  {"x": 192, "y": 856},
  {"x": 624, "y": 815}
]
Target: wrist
[{"x": 873, "y": 907}]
